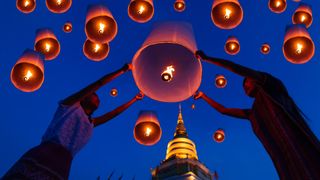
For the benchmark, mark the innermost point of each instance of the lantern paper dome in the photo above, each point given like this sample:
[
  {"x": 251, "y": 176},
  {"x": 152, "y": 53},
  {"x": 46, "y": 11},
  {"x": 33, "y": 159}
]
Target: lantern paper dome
[
  {"x": 226, "y": 14},
  {"x": 67, "y": 27},
  {"x": 58, "y": 6},
  {"x": 26, "y": 6},
  {"x": 169, "y": 50},
  {"x": 95, "y": 51},
  {"x": 141, "y": 11},
  {"x": 219, "y": 136},
  {"x": 220, "y": 81},
  {"x": 179, "y": 5},
  {"x": 47, "y": 44},
  {"x": 232, "y": 46},
  {"x": 303, "y": 15},
  {"x": 277, "y": 6}
]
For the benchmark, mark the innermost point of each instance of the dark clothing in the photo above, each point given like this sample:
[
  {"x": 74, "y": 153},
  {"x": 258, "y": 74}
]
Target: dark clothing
[
  {"x": 48, "y": 161},
  {"x": 277, "y": 122}
]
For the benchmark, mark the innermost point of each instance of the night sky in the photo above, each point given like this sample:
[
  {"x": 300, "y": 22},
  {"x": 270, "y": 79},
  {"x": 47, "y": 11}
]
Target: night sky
[{"x": 25, "y": 116}]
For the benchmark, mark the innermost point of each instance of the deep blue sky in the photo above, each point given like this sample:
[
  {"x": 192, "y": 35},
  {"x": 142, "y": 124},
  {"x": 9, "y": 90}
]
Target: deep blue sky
[{"x": 25, "y": 116}]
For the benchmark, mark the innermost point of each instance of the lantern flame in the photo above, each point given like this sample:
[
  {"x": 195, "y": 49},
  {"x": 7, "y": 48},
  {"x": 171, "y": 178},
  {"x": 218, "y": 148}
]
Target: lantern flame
[
  {"x": 167, "y": 75},
  {"x": 27, "y": 76},
  {"x": 227, "y": 13},
  {"x": 233, "y": 46},
  {"x": 299, "y": 48},
  {"x": 59, "y": 2},
  {"x": 26, "y": 3},
  {"x": 278, "y": 3},
  {"x": 141, "y": 9},
  {"x": 102, "y": 27},
  {"x": 48, "y": 47},
  {"x": 303, "y": 18},
  {"x": 148, "y": 132},
  {"x": 97, "y": 48}
]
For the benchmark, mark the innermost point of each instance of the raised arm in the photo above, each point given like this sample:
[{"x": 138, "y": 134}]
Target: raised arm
[
  {"x": 234, "y": 112},
  {"x": 112, "y": 114},
  {"x": 95, "y": 86},
  {"x": 231, "y": 66}
]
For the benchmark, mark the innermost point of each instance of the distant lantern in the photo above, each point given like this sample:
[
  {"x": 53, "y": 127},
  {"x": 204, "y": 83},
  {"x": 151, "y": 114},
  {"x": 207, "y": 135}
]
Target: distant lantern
[
  {"x": 26, "y": 6},
  {"x": 232, "y": 46},
  {"x": 265, "y": 48},
  {"x": 220, "y": 81},
  {"x": 47, "y": 44},
  {"x": 193, "y": 106},
  {"x": 296, "y": 0},
  {"x": 226, "y": 14},
  {"x": 100, "y": 26},
  {"x": 114, "y": 92},
  {"x": 298, "y": 47},
  {"x": 180, "y": 5},
  {"x": 58, "y": 6},
  {"x": 67, "y": 27},
  {"x": 147, "y": 130},
  {"x": 27, "y": 74},
  {"x": 95, "y": 51},
  {"x": 165, "y": 68},
  {"x": 141, "y": 10},
  {"x": 303, "y": 15},
  {"x": 219, "y": 136},
  {"x": 277, "y": 6}
]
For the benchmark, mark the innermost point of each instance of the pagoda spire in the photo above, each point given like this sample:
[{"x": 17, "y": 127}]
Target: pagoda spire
[{"x": 180, "y": 129}]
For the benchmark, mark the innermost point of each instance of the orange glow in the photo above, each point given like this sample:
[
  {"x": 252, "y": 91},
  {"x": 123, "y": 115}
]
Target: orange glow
[
  {"x": 47, "y": 44},
  {"x": 167, "y": 75},
  {"x": 113, "y": 92},
  {"x": 298, "y": 47},
  {"x": 193, "y": 106},
  {"x": 26, "y": 6},
  {"x": 226, "y": 14},
  {"x": 219, "y": 136},
  {"x": 27, "y": 74},
  {"x": 141, "y": 11},
  {"x": 303, "y": 15},
  {"x": 232, "y": 46},
  {"x": 265, "y": 48},
  {"x": 277, "y": 6},
  {"x": 220, "y": 81},
  {"x": 180, "y": 5},
  {"x": 67, "y": 27},
  {"x": 100, "y": 26},
  {"x": 95, "y": 51},
  {"x": 58, "y": 6}
]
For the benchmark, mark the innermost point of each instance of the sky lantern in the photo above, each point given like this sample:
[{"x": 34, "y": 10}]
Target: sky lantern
[
  {"x": 47, "y": 44},
  {"x": 95, "y": 51},
  {"x": 113, "y": 92},
  {"x": 277, "y": 6},
  {"x": 58, "y": 6},
  {"x": 226, "y": 14},
  {"x": 27, "y": 74},
  {"x": 100, "y": 26},
  {"x": 165, "y": 68},
  {"x": 265, "y": 48},
  {"x": 147, "y": 130},
  {"x": 220, "y": 81},
  {"x": 303, "y": 15},
  {"x": 26, "y": 6},
  {"x": 141, "y": 11},
  {"x": 180, "y": 5},
  {"x": 67, "y": 27},
  {"x": 193, "y": 106},
  {"x": 219, "y": 136},
  {"x": 232, "y": 46},
  {"x": 298, "y": 47}
]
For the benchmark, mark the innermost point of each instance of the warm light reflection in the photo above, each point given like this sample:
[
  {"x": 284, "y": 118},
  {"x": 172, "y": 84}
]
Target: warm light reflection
[
  {"x": 27, "y": 76},
  {"x": 227, "y": 13},
  {"x": 167, "y": 75}
]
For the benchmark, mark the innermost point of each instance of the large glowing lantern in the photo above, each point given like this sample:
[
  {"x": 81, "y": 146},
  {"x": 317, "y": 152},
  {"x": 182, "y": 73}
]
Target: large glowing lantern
[
  {"x": 141, "y": 10},
  {"x": 100, "y": 26},
  {"x": 67, "y": 27},
  {"x": 95, "y": 51},
  {"x": 232, "y": 46},
  {"x": 277, "y": 6},
  {"x": 220, "y": 81},
  {"x": 226, "y": 14},
  {"x": 28, "y": 73},
  {"x": 165, "y": 68},
  {"x": 265, "y": 48},
  {"x": 58, "y": 6},
  {"x": 298, "y": 47},
  {"x": 147, "y": 130},
  {"x": 219, "y": 136},
  {"x": 303, "y": 15},
  {"x": 26, "y": 6},
  {"x": 47, "y": 44},
  {"x": 180, "y": 5}
]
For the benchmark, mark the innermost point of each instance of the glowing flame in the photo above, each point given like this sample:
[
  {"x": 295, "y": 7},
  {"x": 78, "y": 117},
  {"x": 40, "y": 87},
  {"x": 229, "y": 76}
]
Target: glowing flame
[
  {"x": 97, "y": 48},
  {"x": 299, "y": 48},
  {"x": 303, "y": 18},
  {"x": 27, "y": 76},
  {"x": 48, "y": 47},
  {"x": 278, "y": 3},
  {"x": 221, "y": 81},
  {"x": 102, "y": 27},
  {"x": 219, "y": 136},
  {"x": 227, "y": 13},
  {"x": 26, "y": 3},
  {"x": 59, "y": 2},
  {"x": 141, "y": 9},
  {"x": 167, "y": 75},
  {"x": 148, "y": 132},
  {"x": 233, "y": 46}
]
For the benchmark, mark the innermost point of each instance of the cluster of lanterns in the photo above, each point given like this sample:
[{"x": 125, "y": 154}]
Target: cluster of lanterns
[{"x": 55, "y": 6}]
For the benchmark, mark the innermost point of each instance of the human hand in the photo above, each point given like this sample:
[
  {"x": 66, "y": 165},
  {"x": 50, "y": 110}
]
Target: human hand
[
  {"x": 139, "y": 96},
  {"x": 198, "y": 95},
  {"x": 201, "y": 55}
]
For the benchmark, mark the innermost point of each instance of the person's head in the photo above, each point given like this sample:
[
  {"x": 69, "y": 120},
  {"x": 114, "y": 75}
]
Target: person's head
[
  {"x": 90, "y": 103},
  {"x": 250, "y": 86}
]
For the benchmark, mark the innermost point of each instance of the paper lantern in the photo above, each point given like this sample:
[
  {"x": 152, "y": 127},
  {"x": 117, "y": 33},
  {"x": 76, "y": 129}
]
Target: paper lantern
[
  {"x": 141, "y": 11},
  {"x": 169, "y": 46},
  {"x": 147, "y": 130},
  {"x": 298, "y": 47},
  {"x": 67, "y": 27},
  {"x": 303, "y": 15},
  {"x": 277, "y": 6},
  {"x": 219, "y": 136},
  {"x": 58, "y": 6},
  {"x": 95, "y": 51},
  {"x": 220, "y": 81},
  {"x": 27, "y": 74},
  {"x": 193, "y": 106},
  {"x": 180, "y": 5},
  {"x": 26, "y": 6},
  {"x": 100, "y": 26},
  {"x": 265, "y": 48},
  {"x": 47, "y": 44},
  {"x": 114, "y": 92},
  {"x": 232, "y": 46},
  {"x": 226, "y": 14}
]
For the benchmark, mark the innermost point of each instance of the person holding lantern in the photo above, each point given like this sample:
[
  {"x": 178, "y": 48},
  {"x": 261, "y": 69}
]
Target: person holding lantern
[
  {"x": 276, "y": 120},
  {"x": 68, "y": 133}
]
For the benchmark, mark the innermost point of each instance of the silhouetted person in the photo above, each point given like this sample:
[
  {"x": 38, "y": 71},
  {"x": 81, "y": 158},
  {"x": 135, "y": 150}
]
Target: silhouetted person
[
  {"x": 276, "y": 120},
  {"x": 68, "y": 132}
]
